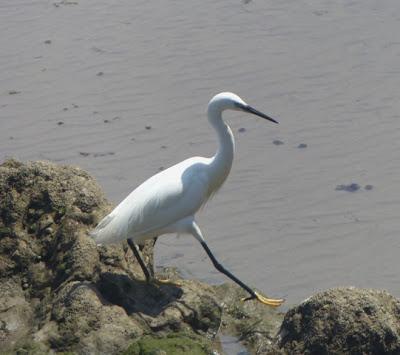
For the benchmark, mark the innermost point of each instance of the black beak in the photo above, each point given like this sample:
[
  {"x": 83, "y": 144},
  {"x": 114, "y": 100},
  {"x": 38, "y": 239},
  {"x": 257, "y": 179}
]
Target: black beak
[{"x": 252, "y": 110}]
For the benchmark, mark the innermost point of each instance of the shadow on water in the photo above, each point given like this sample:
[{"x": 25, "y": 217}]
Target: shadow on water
[{"x": 137, "y": 296}]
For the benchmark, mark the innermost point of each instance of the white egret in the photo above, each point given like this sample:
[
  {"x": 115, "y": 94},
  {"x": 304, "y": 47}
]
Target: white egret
[{"x": 168, "y": 201}]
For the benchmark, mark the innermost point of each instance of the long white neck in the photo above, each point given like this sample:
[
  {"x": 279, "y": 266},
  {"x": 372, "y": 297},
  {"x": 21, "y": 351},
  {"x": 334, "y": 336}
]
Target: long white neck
[{"x": 221, "y": 162}]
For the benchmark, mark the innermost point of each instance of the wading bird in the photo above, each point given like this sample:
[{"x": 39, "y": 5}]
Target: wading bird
[{"x": 168, "y": 201}]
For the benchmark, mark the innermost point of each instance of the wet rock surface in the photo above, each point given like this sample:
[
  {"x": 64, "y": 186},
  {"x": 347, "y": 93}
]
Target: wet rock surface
[
  {"x": 253, "y": 324},
  {"x": 343, "y": 321},
  {"x": 61, "y": 292}
]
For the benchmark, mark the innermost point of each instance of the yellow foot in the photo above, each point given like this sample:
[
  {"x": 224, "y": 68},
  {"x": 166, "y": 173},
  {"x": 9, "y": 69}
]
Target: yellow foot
[{"x": 268, "y": 301}]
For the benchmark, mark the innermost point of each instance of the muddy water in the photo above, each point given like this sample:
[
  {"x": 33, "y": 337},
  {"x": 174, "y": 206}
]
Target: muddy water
[{"x": 120, "y": 88}]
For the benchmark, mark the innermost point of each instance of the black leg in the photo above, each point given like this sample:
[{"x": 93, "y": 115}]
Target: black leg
[
  {"x": 140, "y": 260},
  {"x": 220, "y": 268}
]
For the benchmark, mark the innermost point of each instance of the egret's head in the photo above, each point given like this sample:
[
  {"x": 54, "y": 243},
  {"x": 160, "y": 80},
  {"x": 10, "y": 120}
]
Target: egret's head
[{"x": 230, "y": 101}]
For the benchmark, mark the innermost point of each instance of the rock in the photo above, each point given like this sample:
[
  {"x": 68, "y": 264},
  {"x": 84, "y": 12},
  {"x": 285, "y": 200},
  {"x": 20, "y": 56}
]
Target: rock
[
  {"x": 46, "y": 211},
  {"x": 176, "y": 344},
  {"x": 16, "y": 316},
  {"x": 343, "y": 321},
  {"x": 89, "y": 324}
]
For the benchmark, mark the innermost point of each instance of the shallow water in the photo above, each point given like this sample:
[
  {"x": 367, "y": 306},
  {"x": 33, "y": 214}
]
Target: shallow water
[{"x": 81, "y": 81}]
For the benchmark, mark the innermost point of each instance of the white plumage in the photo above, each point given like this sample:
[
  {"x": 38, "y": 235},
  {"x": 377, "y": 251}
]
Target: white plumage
[{"x": 160, "y": 205}]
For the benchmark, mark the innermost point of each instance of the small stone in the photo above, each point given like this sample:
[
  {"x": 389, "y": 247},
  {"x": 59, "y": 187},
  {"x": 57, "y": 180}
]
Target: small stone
[
  {"x": 65, "y": 109},
  {"x": 302, "y": 146},
  {"x": 14, "y": 92},
  {"x": 320, "y": 12},
  {"x": 109, "y": 261},
  {"x": 45, "y": 222},
  {"x": 47, "y": 41},
  {"x": 60, "y": 123},
  {"x": 163, "y": 147},
  {"x": 353, "y": 187},
  {"x": 97, "y": 50},
  {"x": 85, "y": 154},
  {"x": 106, "y": 121},
  {"x": 368, "y": 187},
  {"x": 100, "y": 73},
  {"x": 148, "y": 127},
  {"x": 277, "y": 142},
  {"x": 242, "y": 130},
  {"x": 96, "y": 155}
]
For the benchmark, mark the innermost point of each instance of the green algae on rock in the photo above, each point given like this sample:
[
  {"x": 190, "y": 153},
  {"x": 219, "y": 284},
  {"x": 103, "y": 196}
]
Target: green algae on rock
[{"x": 172, "y": 344}]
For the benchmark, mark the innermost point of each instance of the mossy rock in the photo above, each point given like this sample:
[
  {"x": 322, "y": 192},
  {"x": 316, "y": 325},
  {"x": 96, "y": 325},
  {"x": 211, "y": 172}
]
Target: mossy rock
[
  {"x": 344, "y": 320},
  {"x": 172, "y": 344}
]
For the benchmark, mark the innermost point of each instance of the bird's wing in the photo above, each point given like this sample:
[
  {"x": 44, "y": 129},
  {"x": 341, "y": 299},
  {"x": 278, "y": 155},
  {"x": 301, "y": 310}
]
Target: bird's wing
[
  {"x": 167, "y": 197},
  {"x": 160, "y": 201}
]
